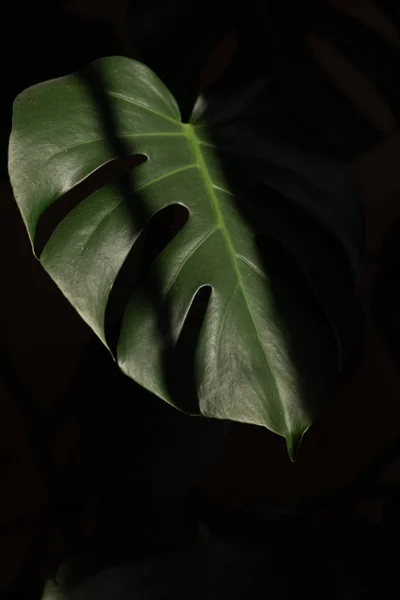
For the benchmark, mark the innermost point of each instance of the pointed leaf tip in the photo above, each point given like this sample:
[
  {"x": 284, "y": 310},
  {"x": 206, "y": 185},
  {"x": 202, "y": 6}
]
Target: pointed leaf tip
[{"x": 293, "y": 442}]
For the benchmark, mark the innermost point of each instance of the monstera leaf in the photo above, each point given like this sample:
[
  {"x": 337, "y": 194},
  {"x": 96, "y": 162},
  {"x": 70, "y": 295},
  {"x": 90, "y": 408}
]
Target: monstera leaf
[{"x": 266, "y": 352}]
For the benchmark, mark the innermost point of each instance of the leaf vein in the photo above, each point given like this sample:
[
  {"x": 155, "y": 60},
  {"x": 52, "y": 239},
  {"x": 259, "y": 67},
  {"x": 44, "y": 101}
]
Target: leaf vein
[
  {"x": 251, "y": 265},
  {"x": 188, "y": 256},
  {"x": 127, "y": 135},
  {"x": 223, "y": 190},
  {"x": 141, "y": 105}
]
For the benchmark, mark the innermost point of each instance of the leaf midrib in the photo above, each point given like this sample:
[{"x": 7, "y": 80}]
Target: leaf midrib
[{"x": 196, "y": 149}]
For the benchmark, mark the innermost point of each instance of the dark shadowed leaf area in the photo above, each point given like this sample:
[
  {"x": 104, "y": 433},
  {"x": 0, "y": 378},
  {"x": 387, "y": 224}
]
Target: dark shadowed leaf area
[{"x": 210, "y": 296}]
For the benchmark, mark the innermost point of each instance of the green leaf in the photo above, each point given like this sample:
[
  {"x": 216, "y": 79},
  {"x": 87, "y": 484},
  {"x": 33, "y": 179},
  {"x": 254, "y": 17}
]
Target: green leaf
[
  {"x": 309, "y": 201},
  {"x": 265, "y": 353}
]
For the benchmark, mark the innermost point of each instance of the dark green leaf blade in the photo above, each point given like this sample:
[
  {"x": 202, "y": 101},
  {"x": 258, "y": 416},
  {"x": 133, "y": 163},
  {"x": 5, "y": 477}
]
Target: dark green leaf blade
[
  {"x": 308, "y": 200},
  {"x": 244, "y": 367}
]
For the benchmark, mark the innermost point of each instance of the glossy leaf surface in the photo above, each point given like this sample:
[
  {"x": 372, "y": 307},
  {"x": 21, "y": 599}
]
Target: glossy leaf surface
[{"x": 265, "y": 353}]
